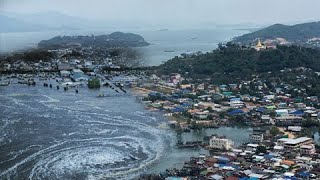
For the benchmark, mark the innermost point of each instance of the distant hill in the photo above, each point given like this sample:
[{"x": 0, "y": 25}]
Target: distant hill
[
  {"x": 116, "y": 39},
  {"x": 9, "y": 24},
  {"x": 45, "y": 21},
  {"x": 295, "y": 34},
  {"x": 228, "y": 63},
  {"x": 53, "y": 20}
]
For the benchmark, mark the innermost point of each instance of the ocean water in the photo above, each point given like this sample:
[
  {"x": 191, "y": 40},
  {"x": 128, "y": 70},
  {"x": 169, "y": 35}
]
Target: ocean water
[
  {"x": 50, "y": 134},
  {"x": 47, "y": 133},
  {"x": 176, "y": 41}
]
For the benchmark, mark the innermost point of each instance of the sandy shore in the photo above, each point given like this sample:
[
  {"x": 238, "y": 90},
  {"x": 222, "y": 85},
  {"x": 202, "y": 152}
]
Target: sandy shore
[{"x": 140, "y": 91}]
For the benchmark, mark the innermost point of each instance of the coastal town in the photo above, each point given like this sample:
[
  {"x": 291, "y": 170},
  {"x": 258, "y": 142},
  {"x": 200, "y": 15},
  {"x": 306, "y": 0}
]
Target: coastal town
[
  {"x": 283, "y": 116},
  {"x": 282, "y": 145},
  {"x": 159, "y": 90}
]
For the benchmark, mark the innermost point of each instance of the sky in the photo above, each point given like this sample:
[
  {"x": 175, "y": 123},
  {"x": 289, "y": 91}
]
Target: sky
[{"x": 179, "y": 12}]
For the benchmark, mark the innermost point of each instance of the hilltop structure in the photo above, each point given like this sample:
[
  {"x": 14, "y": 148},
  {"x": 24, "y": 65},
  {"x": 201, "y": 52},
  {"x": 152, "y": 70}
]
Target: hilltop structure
[{"x": 259, "y": 46}]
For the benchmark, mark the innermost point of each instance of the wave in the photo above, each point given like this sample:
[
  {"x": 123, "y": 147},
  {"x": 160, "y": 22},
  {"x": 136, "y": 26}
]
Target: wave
[{"x": 80, "y": 138}]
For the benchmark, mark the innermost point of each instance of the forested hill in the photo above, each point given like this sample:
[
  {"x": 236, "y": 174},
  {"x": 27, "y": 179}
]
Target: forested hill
[
  {"x": 116, "y": 39},
  {"x": 295, "y": 34},
  {"x": 231, "y": 62}
]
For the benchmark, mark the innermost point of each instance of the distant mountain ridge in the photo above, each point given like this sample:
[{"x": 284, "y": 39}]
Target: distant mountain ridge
[
  {"x": 45, "y": 21},
  {"x": 116, "y": 39},
  {"x": 9, "y": 24},
  {"x": 299, "y": 33}
]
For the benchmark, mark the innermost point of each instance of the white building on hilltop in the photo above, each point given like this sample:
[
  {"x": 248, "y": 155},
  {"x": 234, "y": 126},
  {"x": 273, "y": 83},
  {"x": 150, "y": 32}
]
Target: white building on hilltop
[
  {"x": 220, "y": 143},
  {"x": 259, "y": 46}
]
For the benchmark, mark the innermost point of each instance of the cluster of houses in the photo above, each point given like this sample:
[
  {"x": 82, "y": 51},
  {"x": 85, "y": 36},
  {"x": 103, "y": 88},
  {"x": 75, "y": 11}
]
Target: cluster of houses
[
  {"x": 215, "y": 104},
  {"x": 70, "y": 68},
  {"x": 285, "y": 155},
  {"x": 283, "y": 158},
  {"x": 63, "y": 59}
]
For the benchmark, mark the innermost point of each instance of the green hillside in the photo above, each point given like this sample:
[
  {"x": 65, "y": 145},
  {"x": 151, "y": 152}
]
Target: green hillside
[
  {"x": 232, "y": 62},
  {"x": 296, "y": 33}
]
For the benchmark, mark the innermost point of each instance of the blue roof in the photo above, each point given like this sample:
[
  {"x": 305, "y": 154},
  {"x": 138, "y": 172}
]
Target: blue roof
[
  {"x": 153, "y": 94},
  {"x": 291, "y": 178},
  {"x": 169, "y": 98},
  {"x": 304, "y": 174},
  {"x": 297, "y": 113},
  {"x": 223, "y": 159},
  {"x": 79, "y": 75},
  {"x": 235, "y": 112},
  {"x": 177, "y": 109},
  {"x": 186, "y": 105},
  {"x": 175, "y": 95},
  {"x": 261, "y": 109},
  {"x": 174, "y": 178},
  {"x": 268, "y": 156},
  {"x": 185, "y": 91}
]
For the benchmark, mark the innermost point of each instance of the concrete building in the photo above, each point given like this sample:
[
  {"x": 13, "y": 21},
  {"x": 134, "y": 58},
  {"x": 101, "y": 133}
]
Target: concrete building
[
  {"x": 201, "y": 115},
  {"x": 251, "y": 147},
  {"x": 295, "y": 143},
  {"x": 256, "y": 137},
  {"x": 64, "y": 73},
  {"x": 307, "y": 149},
  {"x": 220, "y": 143},
  {"x": 294, "y": 128}
]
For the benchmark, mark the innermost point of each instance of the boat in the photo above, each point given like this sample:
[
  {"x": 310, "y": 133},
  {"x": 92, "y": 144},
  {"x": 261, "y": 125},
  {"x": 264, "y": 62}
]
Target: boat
[
  {"x": 5, "y": 83},
  {"x": 32, "y": 82},
  {"x": 22, "y": 81},
  {"x": 101, "y": 95},
  {"x": 169, "y": 51},
  {"x": 190, "y": 144}
]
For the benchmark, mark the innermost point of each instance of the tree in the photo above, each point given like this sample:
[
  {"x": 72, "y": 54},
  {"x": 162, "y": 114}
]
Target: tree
[
  {"x": 274, "y": 131},
  {"x": 261, "y": 149},
  {"x": 227, "y": 63},
  {"x": 94, "y": 83},
  {"x": 194, "y": 125}
]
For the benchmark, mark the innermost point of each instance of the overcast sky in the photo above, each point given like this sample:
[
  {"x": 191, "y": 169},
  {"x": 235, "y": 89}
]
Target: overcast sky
[{"x": 187, "y": 12}]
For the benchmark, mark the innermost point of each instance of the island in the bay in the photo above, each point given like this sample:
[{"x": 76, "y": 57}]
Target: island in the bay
[
  {"x": 116, "y": 39},
  {"x": 273, "y": 89}
]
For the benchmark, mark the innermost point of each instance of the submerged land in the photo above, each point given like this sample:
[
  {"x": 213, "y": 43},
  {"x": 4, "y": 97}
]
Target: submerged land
[{"x": 272, "y": 89}]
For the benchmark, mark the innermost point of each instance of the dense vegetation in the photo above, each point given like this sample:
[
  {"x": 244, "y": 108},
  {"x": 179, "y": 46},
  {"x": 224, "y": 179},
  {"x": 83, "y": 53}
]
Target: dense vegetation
[
  {"x": 116, "y": 39},
  {"x": 33, "y": 55},
  {"x": 232, "y": 62},
  {"x": 295, "y": 33},
  {"x": 94, "y": 83}
]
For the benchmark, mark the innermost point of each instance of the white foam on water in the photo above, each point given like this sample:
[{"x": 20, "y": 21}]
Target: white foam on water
[
  {"x": 98, "y": 152},
  {"x": 49, "y": 99},
  {"x": 121, "y": 145}
]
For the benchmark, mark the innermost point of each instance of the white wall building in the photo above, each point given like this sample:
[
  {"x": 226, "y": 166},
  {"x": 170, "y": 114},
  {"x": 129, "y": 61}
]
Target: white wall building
[
  {"x": 256, "y": 137},
  {"x": 220, "y": 143}
]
